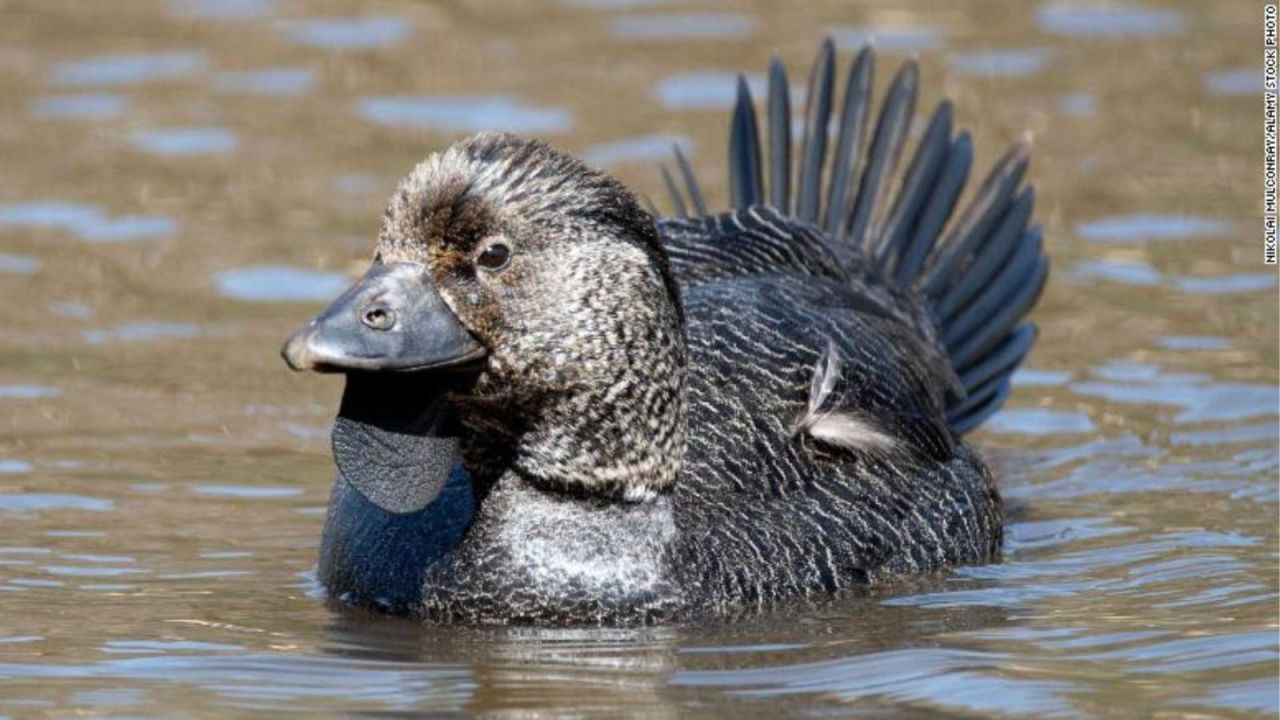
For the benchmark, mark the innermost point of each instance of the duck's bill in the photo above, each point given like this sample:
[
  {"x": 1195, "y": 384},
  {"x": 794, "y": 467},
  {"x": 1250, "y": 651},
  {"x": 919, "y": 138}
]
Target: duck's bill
[{"x": 392, "y": 319}]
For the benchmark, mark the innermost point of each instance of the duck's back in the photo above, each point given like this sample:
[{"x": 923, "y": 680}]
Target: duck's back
[{"x": 840, "y": 344}]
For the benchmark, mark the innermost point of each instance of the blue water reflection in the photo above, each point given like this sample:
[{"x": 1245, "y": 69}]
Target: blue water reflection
[
  {"x": 1226, "y": 284},
  {"x": 358, "y": 33},
  {"x": 466, "y": 113},
  {"x": 187, "y": 141},
  {"x": 28, "y": 392},
  {"x": 1000, "y": 63},
  {"x": 704, "y": 89},
  {"x": 222, "y": 9},
  {"x": 1241, "y": 81},
  {"x": 888, "y": 38},
  {"x": 280, "y": 283},
  {"x": 1108, "y": 20},
  {"x": 1197, "y": 396},
  {"x": 1080, "y": 104},
  {"x": 107, "y": 70},
  {"x": 140, "y": 332},
  {"x": 1194, "y": 342},
  {"x": 87, "y": 222},
  {"x": 280, "y": 81},
  {"x": 1148, "y": 226},
  {"x": 37, "y": 502},
  {"x": 89, "y": 106},
  {"x": 18, "y": 264},
  {"x": 646, "y": 148},
  {"x": 682, "y": 26},
  {"x": 1129, "y": 272},
  {"x": 1039, "y": 421}
]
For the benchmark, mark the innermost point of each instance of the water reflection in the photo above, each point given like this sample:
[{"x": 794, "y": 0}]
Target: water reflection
[
  {"x": 1198, "y": 397},
  {"x": 466, "y": 114},
  {"x": 74, "y": 310},
  {"x": 1000, "y": 63},
  {"x": 36, "y": 502},
  {"x": 1147, "y": 226},
  {"x": 140, "y": 332},
  {"x": 1241, "y": 283},
  {"x": 356, "y": 185},
  {"x": 969, "y": 681},
  {"x": 106, "y": 70},
  {"x": 1081, "y": 104},
  {"x": 676, "y": 27},
  {"x": 245, "y": 491},
  {"x": 1040, "y": 421},
  {"x": 19, "y": 264},
  {"x": 704, "y": 90},
  {"x": 88, "y": 222},
  {"x": 888, "y": 39},
  {"x": 648, "y": 149},
  {"x": 1242, "y": 81},
  {"x": 1242, "y": 434},
  {"x": 97, "y": 106},
  {"x": 222, "y": 9},
  {"x": 1108, "y": 21},
  {"x": 28, "y": 392},
  {"x": 1129, "y": 272},
  {"x": 1034, "y": 377},
  {"x": 1194, "y": 342},
  {"x": 187, "y": 141},
  {"x": 359, "y": 33},
  {"x": 283, "y": 82},
  {"x": 614, "y": 4},
  {"x": 280, "y": 283}
]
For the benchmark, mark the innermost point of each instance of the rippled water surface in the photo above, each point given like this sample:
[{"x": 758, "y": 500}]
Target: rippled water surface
[{"x": 185, "y": 181}]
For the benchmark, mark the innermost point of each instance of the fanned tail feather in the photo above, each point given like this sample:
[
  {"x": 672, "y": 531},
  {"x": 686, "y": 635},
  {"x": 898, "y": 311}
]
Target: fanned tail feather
[{"x": 980, "y": 272}]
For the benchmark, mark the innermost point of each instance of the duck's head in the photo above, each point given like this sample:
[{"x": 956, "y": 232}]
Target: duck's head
[{"x": 546, "y": 280}]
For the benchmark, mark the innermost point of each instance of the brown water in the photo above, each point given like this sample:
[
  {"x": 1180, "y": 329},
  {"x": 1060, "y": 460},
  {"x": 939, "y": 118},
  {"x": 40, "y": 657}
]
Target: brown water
[{"x": 181, "y": 183}]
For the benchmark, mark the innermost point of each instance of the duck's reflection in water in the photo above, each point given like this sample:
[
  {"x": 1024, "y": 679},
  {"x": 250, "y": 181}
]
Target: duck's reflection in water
[
  {"x": 520, "y": 670},
  {"x": 792, "y": 652}
]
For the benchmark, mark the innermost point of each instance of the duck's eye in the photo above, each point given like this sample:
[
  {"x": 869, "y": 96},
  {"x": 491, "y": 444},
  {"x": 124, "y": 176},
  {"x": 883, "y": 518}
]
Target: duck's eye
[
  {"x": 494, "y": 257},
  {"x": 379, "y": 318}
]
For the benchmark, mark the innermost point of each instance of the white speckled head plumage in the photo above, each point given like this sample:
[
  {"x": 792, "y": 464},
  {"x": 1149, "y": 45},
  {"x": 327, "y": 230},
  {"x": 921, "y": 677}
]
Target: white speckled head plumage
[{"x": 583, "y": 389}]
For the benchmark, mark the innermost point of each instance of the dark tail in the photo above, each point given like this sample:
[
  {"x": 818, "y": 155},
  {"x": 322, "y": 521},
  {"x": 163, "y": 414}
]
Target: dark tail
[{"x": 981, "y": 272}]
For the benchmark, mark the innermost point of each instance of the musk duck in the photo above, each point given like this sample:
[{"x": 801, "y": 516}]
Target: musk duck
[{"x": 561, "y": 408}]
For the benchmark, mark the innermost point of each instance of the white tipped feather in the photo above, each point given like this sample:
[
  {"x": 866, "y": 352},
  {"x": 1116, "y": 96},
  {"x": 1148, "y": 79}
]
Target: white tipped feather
[
  {"x": 849, "y": 431},
  {"x": 836, "y": 427},
  {"x": 825, "y": 375}
]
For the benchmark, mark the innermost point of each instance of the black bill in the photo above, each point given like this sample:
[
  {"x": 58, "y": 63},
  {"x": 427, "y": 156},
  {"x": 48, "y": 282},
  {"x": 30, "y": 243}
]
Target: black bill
[{"x": 392, "y": 319}]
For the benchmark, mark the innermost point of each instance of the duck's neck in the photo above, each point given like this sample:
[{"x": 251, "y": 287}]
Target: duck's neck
[{"x": 607, "y": 419}]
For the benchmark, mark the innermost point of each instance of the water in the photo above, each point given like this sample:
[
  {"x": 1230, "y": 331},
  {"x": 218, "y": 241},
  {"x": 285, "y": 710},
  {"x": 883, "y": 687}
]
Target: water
[
  {"x": 97, "y": 106},
  {"x": 269, "y": 81},
  {"x": 466, "y": 114},
  {"x": 887, "y": 38},
  {"x": 86, "y": 222},
  {"x": 120, "y": 70},
  {"x": 682, "y": 27},
  {"x": 704, "y": 89},
  {"x": 1001, "y": 63},
  {"x": 1108, "y": 21},
  {"x": 643, "y": 149},
  {"x": 349, "y": 33},
  {"x": 163, "y": 478},
  {"x": 186, "y": 141},
  {"x": 1146, "y": 226},
  {"x": 279, "y": 283}
]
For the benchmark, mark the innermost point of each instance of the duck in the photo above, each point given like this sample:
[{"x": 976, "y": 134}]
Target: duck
[{"x": 562, "y": 407}]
